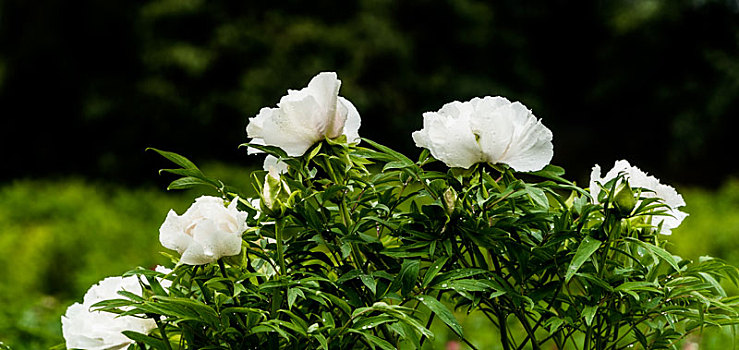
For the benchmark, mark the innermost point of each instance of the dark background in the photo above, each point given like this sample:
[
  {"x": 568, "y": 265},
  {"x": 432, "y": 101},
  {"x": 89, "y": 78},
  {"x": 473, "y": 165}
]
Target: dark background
[{"x": 86, "y": 86}]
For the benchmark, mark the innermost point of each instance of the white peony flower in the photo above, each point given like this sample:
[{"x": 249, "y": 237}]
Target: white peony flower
[
  {"x": 488, "y": 129},
  {"x": 638, "y": 178},
  {"x": 304, "y": 117},
  {"x": 86, "y": 329},
  {"x": 207, "y": 231}
]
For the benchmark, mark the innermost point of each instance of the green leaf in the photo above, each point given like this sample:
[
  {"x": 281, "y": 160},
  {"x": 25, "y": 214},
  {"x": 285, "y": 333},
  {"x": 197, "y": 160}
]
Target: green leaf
[
  {"x": 470, "y": 285},
  {"x": 664, "y": 255},
  {"x": 538, "y": 196},
  {"x": 372, "y": 322},
  {"x": 383, "y": 344},
  {"x": 433, "y": 270},
  {"x": 175, "y": 158},
  {"x": 587, "y": 247},
  {"x": 187, "y": 182},
  {"x": 155, "y": 343},
  {"x": 444, "y": 278},
  {"x": 275, "y": 151},
  {"x": 292, "y": 294},
  {"x": 637, "y": 285},
  {"x": 188, "y": 308},
  {"x": 714, "y": 283},
  {"x": 657, "y": 252},
  {"x": 588, "y": 313},
  {"x": 406, "y": 162},
  {"x": 370, "y": 282},
  {"x": 443, "y": 312},
  {"x": 322, "y": 340},
  {"x": 328, "y": 320},
  {"x": 408, "y": 275}
]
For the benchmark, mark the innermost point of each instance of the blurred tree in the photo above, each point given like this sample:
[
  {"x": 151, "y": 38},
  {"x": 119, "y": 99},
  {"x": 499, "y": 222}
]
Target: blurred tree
[{"x": 86, "y": 87}]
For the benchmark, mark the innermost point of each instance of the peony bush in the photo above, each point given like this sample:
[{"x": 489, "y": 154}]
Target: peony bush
[{"x": 353, "y": 245}]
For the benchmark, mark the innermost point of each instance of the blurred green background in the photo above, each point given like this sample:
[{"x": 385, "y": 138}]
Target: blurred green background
[{"x": 86, "y": 86}]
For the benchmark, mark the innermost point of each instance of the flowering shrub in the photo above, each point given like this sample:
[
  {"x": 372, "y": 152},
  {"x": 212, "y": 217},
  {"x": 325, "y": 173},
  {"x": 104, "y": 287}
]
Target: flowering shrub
[{"x": 353, "y": 246}]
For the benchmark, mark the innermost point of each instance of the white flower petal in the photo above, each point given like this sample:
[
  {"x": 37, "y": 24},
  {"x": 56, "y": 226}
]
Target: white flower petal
[
  {"x": 195, "y": 255},
  {"x": 447, "y": 135},
  {"x": 330, "y": 119},
  {"x": 304, "y": 117},
  {"x": 207, "y": 231},
  {"x": 255, "y": 130},
  {"x": 353, "y": 122},
  {"x": 171, "y": 233},
  {"x": 296, "y": 126},
  {"x": 489, "y": 129},
  {"x": 86, "y": 329},
  {"x": 594, "y": 187},
  {"x": 274, "y": 166}
]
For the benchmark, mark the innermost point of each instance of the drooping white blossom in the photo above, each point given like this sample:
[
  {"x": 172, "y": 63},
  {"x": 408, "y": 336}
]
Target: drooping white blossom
[
  {"x": 488, "y": 129},
  {"x": 304, "y": 117},
  {"x": 97, "y": 330},
  {"x": 640, "y": 179},
  {"x": 207, "y": 231}
]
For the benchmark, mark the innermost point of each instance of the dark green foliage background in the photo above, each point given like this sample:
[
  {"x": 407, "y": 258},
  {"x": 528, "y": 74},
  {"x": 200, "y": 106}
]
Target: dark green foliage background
[{"x": 85, "y": 87}]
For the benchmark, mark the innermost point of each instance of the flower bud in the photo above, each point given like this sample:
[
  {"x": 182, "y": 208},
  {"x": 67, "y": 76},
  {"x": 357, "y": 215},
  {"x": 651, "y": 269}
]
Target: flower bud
[
  {"x": 450, "y": 199},
  {"x": 624, "y": 200},
  {"x": 276, "y": 194}
]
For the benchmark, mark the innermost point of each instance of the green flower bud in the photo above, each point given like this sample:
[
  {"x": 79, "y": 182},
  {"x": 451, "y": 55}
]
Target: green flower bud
[
  {"x": 624, "y": 201},
  {"x": 276, "y": 194}
]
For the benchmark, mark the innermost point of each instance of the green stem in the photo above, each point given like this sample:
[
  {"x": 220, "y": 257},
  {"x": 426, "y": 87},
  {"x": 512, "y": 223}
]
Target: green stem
[
  {"x": 162, "y": 332},
  {"x": 529, "y": 331},
  {"x": 586, "y": 341},
  {"x": 279, "y": 225},
  {"x": 503, "y": 327},
  {"x": 224, "y": 273},
  {"x": 277, "y": 293}
]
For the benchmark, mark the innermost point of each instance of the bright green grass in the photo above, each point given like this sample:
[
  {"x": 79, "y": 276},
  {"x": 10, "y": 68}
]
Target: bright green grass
[{"x": 59, "y": 237}]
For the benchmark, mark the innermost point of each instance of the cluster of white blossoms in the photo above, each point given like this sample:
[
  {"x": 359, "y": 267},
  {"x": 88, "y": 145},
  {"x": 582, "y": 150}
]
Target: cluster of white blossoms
[
  {"x": 490, "y": 130},
  {"x": 637, "y": 178}
]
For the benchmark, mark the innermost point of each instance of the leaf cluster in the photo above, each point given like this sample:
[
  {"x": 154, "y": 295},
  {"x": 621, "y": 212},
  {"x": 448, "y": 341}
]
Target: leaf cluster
[{"x": 372, "y": 246}]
